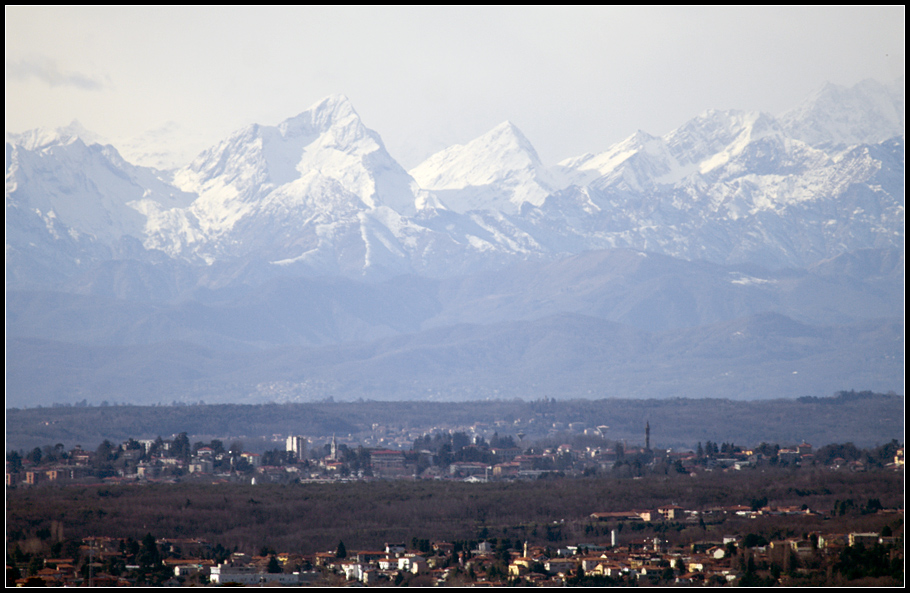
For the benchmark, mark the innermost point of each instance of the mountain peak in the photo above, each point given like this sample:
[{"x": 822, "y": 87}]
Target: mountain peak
[
  {"x": 499, "y": 170},
  {"x": 868, "y": 112},
  {"x": 43, "y": 137},
  {"x": 334, "y": 106},
  {"x": 507, "y": 134},
  {"x": 506, "y": 127},
  {"x": 332, "y": 111}
]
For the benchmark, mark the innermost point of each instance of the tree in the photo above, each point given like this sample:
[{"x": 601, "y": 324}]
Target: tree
[
  {"x": 181, "y": 447},
  {"x": 274, "y": 566},
  {"x": 217, "y": 446},
  {"x": 14, "y": 461},
  {"x": 35, "y": 456},
  {"x": 149, "y": 555},
  {"x": 341, "y": 552}
]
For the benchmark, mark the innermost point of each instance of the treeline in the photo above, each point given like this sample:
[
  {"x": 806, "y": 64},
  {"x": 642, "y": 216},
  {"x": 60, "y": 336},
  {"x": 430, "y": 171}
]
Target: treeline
[
  {"x": 844, "y": 397},
  {"x": 863, "y": 418}
]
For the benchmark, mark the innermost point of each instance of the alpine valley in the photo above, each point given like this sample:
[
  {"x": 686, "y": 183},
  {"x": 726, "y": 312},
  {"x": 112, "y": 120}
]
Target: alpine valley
[{"x": 740, "y": 256}]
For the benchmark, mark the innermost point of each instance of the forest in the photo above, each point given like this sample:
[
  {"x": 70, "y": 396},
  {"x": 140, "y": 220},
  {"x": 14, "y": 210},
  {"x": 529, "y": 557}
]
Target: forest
[
  {"x": 862, "y": 418},
  {"x": 310, "y": 517}
]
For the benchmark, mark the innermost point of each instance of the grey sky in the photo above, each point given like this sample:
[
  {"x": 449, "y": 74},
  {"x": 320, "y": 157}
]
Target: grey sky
[{"x": 573, "y": 79}]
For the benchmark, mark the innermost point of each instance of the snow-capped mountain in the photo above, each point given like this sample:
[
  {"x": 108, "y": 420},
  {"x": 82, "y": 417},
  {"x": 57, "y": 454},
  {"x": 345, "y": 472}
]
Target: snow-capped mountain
[
  {"x": 290, "y": 192},
  {"x": 866, "y": 113},
  {"x": 500, "y": 171},
  {"x": 699, "y": 149},
  {"x": 296, "y": 240},
  {"x": 69, "y": 203},
  {"x": 731, "y": 187},
  {"x": 639, "y": 159},
  {"x": 319, "y": 194}
]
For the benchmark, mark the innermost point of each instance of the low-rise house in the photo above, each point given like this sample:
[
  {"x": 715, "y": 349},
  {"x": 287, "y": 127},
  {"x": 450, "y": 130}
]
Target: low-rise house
[
  {"x": 468, "y": 468},
  {"x": 254, "y": 459},
  {"x": 33, "y": 477},
  {"x": 353, "y": 571},
  {"x": 247, "y": 575},
  {"x": 369, "y": 556},
  {"x": 81, "y": 457},
  {"x": 689, "y": 578},
  {"x": 394, "y": 548},
  {"x": 187, "y": 567},
  {"x": 866, "y": 539},
  {"x": 412, "y": 563},
  {"x": 670, "y": 512},
  {"x": 518, "y": 569},
  {"x": 206, "y": 452},
  {"x": 51, "y": 576},
  {"x": 717, "y": 552},
  {"x": 387, "y": 463},
  {"x": 443, "y": 547},
  {"x": 505, "y": 454},
  {"x": 388, "y": 563},
  {"x": 370, "y": 576},
  {"x": 196, "y": 466},
  {"x": 563, "y": 565},
  {"x": 483, "y": 548},
  {"x": 609, "y": 569},
  {"x": 505, "y": 470}
]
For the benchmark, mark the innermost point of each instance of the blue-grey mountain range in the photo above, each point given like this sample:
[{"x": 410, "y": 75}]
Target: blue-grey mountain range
[{"x": 741, "y": 255}]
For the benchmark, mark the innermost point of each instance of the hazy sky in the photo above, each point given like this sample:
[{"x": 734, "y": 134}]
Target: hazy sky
[{"x": 573, "y": 79}]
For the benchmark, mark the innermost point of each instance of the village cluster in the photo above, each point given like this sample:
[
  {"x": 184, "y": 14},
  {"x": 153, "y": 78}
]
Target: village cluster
[
  {"x": 621, "y": 560},
  {"x": 449, "y": 455}
]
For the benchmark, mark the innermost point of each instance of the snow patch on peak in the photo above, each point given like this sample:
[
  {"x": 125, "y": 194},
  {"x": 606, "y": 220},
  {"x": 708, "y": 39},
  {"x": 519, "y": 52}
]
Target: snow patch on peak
[
  {"x": 715, "y": 137},
  {"x": 585, "y": 169},
  {"x": 499, "y": 170},
  {"x": 835, "y": 116},
  {"x": 334, "y": 112},
  {"x": 507, "y": 135},
  {"x": 41, "y": 138}
]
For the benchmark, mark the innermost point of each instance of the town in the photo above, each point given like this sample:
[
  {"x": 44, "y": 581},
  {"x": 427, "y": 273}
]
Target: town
[
  {"x": 454, "y": 455},
  {"x": 757, "y": 540},
  {"x": 732, "y": 560}
]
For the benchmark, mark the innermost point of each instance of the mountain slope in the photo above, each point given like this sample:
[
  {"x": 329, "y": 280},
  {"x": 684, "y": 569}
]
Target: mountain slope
[
  {"x": 645, "y": 291},
  {"x": 563, "y": 356}
]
